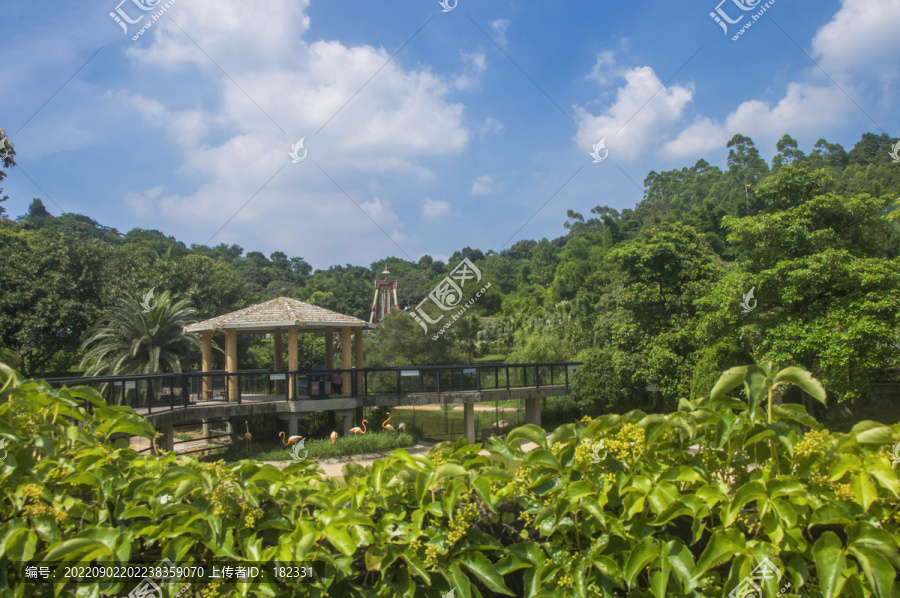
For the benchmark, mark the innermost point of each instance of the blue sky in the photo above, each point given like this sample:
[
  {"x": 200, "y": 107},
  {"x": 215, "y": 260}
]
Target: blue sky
[{"x": 486, "y": 113}]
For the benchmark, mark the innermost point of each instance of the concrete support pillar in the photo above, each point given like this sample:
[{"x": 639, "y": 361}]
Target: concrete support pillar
[
  {"x": 533, "y": 411},
  {"x": 469, "y": 421},
  {"x": 292, "y": 357},
  {"x": 329, "y": 348},
  {"x": 206, "y": 362},
  {"x": 167, "y": 441},
  {"x": 346, "y": 354},
  {"x": 231, "y": 362},
  {"x": 346, "y": 416},
  {"x": 292, "y": 426},
  {"x": 358, "y": 362},
  {"x": 204, "y": 428},
  {"x": 279, "y": 364}
]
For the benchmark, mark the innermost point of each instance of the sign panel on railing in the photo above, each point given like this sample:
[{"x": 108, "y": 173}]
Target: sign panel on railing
[
  {"x": 469, "y": 370},
  {"x": 572, "y": 368},
  {"x": 129, "y": 385},
  {"x": 409, "y": 372},
  {"x": 276, "y": 376}
]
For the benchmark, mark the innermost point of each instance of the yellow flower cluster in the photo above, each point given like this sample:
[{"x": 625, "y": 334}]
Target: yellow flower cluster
[
  {"x": 814, "y": 442},
  {"x": 438, "y": 459},
  {"x": 843, "y": 491},
  {"x": 415, "y": 544},
  {"x": 462, "y": 521},
  {"x": 527, "y": 518},
  {"x": 627, "y": 443},
  {"x": 39, "y": 510},
  {"x": 817, "y": 478},
  {"x": 251, "y": 518},
  {"x": 220, "y": 498},
  {"x": 583, "y": 455},
  {"x": 211, "y": 590},
  {"x": 565, "y": 581},
  {"x": 587, "y": 419},
  {"x": 431, "y": 556},
  {"x": 610, "y": 478},
  {"x": 33, "y": 491},
  {"x": 558, "y": 448}
]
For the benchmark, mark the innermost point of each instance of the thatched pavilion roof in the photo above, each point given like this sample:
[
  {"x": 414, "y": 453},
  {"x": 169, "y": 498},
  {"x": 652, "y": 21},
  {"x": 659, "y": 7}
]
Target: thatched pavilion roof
[{"x": 282, "y": 312}]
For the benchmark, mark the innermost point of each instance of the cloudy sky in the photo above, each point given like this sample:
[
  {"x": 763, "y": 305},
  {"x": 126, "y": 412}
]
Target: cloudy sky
[{"x": 424, "y": 130}]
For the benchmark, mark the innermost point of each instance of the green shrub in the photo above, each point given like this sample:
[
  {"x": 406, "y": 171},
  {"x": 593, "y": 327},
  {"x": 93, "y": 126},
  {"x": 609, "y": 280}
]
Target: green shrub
[{"x": 640, "y": 515}]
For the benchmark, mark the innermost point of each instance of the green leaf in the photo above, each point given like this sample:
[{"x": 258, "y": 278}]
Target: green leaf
[
  {"x": 478, "y": 564},
  {"x": 803, "y": 379},
  {"x": 878, "y": 570},
  {"x": 722, "y": 546},
  {"x": 863, "y": 488},
  {"x": 448, "y": 470},
  {"x": 830, "y": 563},
  {"x": 530, "y": 433},
  {"x": 640, "y": 557},
  {"x": 728, "y": 381}
]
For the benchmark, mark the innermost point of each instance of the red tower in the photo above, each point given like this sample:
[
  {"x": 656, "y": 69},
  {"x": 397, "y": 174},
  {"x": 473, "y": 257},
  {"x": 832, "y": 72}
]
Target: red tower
[{"x": 383, "y": 289}]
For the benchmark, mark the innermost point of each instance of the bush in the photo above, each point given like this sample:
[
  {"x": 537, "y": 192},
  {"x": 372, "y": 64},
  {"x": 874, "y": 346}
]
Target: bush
[
  {"x": 600, "y": 386},
  {"x": 683, "y": 504}
]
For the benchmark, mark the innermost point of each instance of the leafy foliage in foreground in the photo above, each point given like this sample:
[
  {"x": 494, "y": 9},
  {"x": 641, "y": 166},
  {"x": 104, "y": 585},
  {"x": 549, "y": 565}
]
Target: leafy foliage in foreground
[{"x": 681, "y": 504}]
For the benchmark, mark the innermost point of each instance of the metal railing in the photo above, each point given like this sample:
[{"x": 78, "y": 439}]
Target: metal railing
[{"x": 180, "y": 391}]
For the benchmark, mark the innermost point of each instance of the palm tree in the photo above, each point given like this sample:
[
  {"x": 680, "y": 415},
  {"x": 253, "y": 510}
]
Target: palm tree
[{"x": 130, "y": 340}]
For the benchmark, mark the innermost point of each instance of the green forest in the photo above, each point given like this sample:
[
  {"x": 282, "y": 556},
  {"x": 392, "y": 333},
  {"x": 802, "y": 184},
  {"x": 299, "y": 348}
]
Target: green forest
[{"x": 650, "y": 298}]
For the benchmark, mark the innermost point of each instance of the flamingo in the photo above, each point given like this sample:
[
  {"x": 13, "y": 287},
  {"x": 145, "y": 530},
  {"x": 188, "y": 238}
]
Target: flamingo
[
  {"x": 357, "y": 430},
  {"x": 388, "y": 427},
  {"x": 247, "y": 437},
  {"x": 402, "y": 428},
  {"x": 291, "y": 440},
  {"x": 333, "y": 437}
]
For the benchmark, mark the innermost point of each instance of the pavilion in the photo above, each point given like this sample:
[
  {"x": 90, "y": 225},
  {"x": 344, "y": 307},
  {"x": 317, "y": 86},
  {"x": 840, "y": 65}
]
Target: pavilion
[{"x": 276, "y": 317}]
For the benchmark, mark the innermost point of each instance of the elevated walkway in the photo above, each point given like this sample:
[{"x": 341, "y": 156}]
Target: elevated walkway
[{"x": 169, "y": 400}]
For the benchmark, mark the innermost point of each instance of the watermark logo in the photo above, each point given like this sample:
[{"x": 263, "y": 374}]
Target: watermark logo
[
  {"x": 752, "y": 585},
  {"x": 895, "y": 454},
  {"x": 598, "y": 147},
  {"x": 895, "y": 153},
  {"x": 723, "y": 19},
  {"x": 3, "y": 448},
  {"x": 445, "y": 4},
  {"x": 146, "y": 302},
  {"x": 149, "y": 588},
  {"x": 123, "y": 19},
  {"x": 448, "y": 294},
  {"x": 295, "y": 451},
  {"x": 599, "y": 452},
  {"x": 745, "y": 304},
  {"x": 295, "y": 149}
]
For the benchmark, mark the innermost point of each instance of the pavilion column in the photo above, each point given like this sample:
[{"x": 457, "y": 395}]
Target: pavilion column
[
  {"x": 358, "y": 363},
  {"x": 469, "y": 421},
  {"x": 279, "y": 385},
  {"x": 292, "y": 358},
  {"x": 329, "y": 348},
  {"x": 206, "y": 361},
  {"x": 346, "y": 356},
  {"x": 231, "y": 363}
]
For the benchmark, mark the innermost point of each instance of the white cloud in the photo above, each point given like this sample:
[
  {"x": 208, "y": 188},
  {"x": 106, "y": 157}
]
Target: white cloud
[
  {"x": 649, "y": 109},
  {"x": 499, "y": 26},
  {"x": 483, "y": 185},
  {"x": 474, "y": 64},
  {"x": 232, "y": 149},
  {"x": 434, "y": 208},
  {"x": 861, "y": 38},
  {"x": 605, "y": 70},
  {"x": 491, "y": 125}
]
